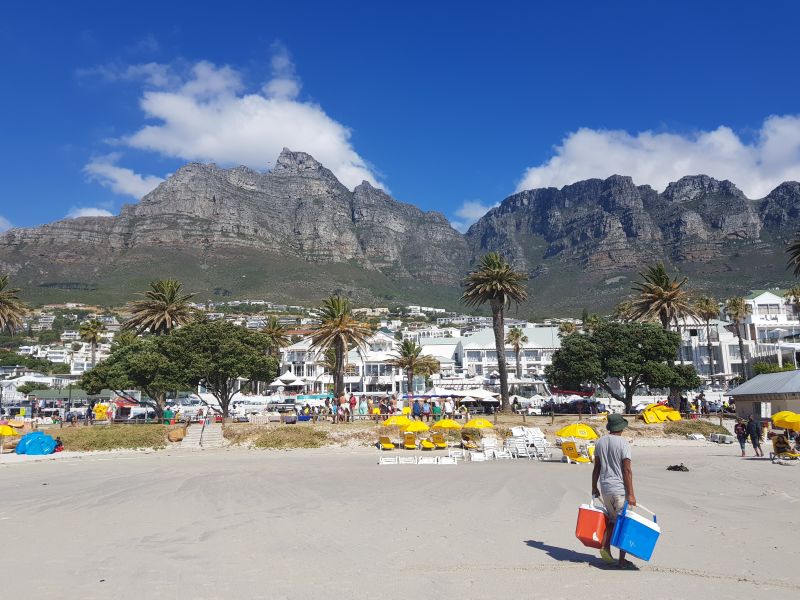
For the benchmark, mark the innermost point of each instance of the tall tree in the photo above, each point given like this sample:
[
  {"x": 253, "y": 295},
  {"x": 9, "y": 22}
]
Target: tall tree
[
  {"x": 737, "y": 310},
  {"x": 707, "y": 309},
  {"x": 516, "y": 338},
  {"x": 793, "y": 250},
  {"x": 144, "y": 364},
  {"x": 91, "y": 332},
  {"x": 339, "y": 330},
  {"x": 497, "y": 283},
  {"x": 660, "y": 297},
  {"x": 635, "y": 354},
  {"x": 276, "y": 336},
  {"x": 410, "y": 359},
  {"x": 792, "y": 296},
  {"x": 163, "y": 308},
  {"x": 221, "y": 357},
  {"x": 12, "y": 309}
]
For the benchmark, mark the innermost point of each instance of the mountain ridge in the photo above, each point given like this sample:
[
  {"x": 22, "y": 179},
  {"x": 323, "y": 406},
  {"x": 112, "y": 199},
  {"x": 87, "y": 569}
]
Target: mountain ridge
[{"x": 297, "y": 232}]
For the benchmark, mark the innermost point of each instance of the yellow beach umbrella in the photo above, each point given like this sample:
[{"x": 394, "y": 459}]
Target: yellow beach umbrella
[
  {"x": 478, "y": 423},
  {"x": 416, "y": 426},
  {"x": 446, "y": 424},
  {"x": 792, "y": 422},
  {"x": 577, "y": 430},
  {"x": 779, "y": 418},
  {"x": 397, "y": 420}
]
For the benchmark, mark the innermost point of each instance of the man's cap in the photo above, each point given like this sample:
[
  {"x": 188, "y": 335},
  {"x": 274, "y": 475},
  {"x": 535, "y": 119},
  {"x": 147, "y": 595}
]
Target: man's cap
[{"x": 616, "y": 423}]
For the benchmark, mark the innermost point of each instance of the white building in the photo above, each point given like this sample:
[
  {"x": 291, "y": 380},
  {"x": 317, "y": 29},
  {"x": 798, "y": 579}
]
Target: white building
[
  {"x": 478, "y": 356},
  {"x": 415, "y": 335}
]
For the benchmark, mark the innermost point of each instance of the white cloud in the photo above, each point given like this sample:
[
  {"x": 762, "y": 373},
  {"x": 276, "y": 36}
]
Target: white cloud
[
  {"x": 154, "y": 75},
  {"x": 756, "y": 166},
  {"x": 208, "y": 116},
  {"x": 120, "y": 180},
  {"x": 469, "y": 212},
  {"x": 77, "y": 212},
  {"x": 5, "y": 224}
]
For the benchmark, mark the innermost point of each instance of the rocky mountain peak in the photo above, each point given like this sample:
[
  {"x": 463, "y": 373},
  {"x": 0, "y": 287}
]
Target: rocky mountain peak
[
  {"x": 693, "y": 187},
  {"x": 292, "y": 163}
]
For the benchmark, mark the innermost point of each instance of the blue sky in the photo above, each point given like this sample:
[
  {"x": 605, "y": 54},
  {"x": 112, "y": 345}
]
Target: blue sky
[{"x": 451, "y": 106}]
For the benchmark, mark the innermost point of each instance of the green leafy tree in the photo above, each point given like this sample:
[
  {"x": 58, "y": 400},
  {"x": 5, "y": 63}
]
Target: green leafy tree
[
  {"x": 636, "y": 354},
  {"x": 124, "y": 337},
  {"x": 147, "y": 365},
  {"x": 763, "y": 368},
  {"x": 339, "y": 330},
  {"x": 496, "y": 283},
  {"x": 737, "y": 310},
  {"x": 12, "y": 309},
  {"x": 566, "y": 328},
  {"x": 163, "y": 309},
  {"x": 707, "y": 309},
  {"x": 410, "y": 359},
  {"x": 91, "y": 333},
  {"x": 276, "y": 336},
  {"x": 516, "y": 338},
  {"x": 221, "y": 357},
  {"x": 27, "y": 388},
  {"x": 792, "y": 296}
]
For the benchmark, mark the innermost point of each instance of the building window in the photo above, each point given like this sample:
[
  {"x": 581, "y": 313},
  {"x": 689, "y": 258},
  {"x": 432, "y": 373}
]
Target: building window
[
  {"x": 768, "y": 309},
  {"x": 474, "y": 356},
  {"x": 733, "y": 351}
]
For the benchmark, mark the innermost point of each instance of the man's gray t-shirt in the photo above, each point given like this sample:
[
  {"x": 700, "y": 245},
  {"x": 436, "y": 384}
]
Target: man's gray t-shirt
[{"x": 611, "y": 450}]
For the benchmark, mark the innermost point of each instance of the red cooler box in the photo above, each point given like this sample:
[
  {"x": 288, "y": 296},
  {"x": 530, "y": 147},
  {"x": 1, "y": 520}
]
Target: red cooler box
[{"x": 591, "y": 526}]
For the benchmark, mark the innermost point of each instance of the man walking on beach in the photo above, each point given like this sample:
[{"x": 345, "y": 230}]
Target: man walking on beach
[
  {"x": 754, "y": 432},
  {"x": 612, "y": 478}
]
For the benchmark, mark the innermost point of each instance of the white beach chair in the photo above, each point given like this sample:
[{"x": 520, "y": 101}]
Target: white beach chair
[
  {"x": 502, "y": 453},
  {"x": 518, "y": 446},
  {"x": 406, "y": 460},
  {"x": 489, "y": 445},
  {"x": 477, "y": 456},
  {"x": 542, "y": 449},
  {"x": 445, "y": 460},
  {"x": 387, "y": 460},
  {"x": 457, "y": 454},
  {"x": 427, "y": 460}
]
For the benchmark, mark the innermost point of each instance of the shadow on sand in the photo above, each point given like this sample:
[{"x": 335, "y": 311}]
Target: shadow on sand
[{"x": 567, "y": 555}]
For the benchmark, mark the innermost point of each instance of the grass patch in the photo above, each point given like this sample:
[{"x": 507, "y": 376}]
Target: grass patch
[
  {"x": 112, "y": 437},
  {"x": 685, "y": 427},
  {"x": 281, "y": 437}
]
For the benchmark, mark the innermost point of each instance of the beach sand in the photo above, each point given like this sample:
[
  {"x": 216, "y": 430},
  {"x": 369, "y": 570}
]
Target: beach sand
[{"x": 333, "y": 524}]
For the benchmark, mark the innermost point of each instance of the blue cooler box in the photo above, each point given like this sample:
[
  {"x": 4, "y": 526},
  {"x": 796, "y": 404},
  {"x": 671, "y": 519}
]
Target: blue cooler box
[{"x": 635, "y": 534}]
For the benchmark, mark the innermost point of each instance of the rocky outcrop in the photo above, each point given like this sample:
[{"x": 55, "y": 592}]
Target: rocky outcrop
[
  {"x": 612, "y": 224},
  {"x": 297, "y": 229},
  {"x": 299, "y": 208}
]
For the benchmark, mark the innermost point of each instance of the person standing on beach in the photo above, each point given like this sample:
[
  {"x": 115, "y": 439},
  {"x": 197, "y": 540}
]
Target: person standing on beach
[
  {"x": 741, "y": 433},
  {"x": 612, "y": 479},
  {"x": 754, "y": 432}
]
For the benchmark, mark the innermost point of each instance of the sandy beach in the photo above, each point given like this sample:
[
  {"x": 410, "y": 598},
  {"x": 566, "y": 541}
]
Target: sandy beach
[{"x": 334, "y": 524}]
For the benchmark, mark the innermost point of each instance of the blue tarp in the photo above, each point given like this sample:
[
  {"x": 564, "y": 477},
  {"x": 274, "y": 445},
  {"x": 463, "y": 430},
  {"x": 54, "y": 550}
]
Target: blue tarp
[{"x": 36, "y": 443}]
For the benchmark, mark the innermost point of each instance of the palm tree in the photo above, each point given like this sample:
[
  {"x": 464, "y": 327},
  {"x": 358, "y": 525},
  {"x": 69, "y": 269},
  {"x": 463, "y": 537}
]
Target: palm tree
[
  {"x": 566, "y": 328},
  {"x": 737, "y": 310},
  {"x": 592, "y": 322},
  {"x": 276, "y": 335},
  {"x": 496, "y": 282},
  {"x": 162, "y": 309},
  {"x": 410, "y": 359},
  {"x": 707, "y": 309},
  {"x": 123, "y": 338},
  {"x": 516, "y": 338},
  {"x": 793, "y": 250},
  {"x": 90, "y": 333},
  {"x": 12, "y": 309},
  {"x": 660, "y": 297},
  {"x": 339, "y": 330},
  {"x": 792, "y": 296}
]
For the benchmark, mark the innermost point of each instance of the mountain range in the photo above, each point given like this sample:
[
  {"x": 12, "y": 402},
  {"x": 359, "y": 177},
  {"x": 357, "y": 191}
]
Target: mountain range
[{"x": 296, "y": 233}]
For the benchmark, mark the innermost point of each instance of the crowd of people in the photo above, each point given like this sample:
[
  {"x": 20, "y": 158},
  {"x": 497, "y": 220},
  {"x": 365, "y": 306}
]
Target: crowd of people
[
  {"x": 752, "y": 431},
  {"x": 346, "y": 408}
]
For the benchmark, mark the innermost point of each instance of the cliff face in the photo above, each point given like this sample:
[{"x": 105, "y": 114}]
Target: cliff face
[
  {"x": 299, "y": 209},
  {"x": 612, "y": 224},
  {"x": 297, "y": 233}
]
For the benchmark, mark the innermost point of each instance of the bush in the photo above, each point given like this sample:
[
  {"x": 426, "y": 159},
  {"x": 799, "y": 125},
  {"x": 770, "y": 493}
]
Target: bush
[
  {"x": 293, "y": 436},
  {"x": 761, "y": 368},
  {"x": 685, "y": 427},
  {"x": 112, "y": 437}
]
